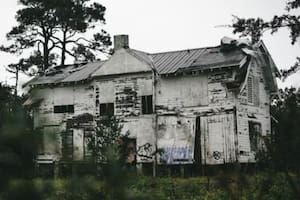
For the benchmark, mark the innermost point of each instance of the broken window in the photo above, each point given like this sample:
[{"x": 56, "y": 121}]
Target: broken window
[
  {"x": 107, "y": 109},
  {"x": 64, "y": 109},
  {"x": 147, "y": 107},
  {"x": 254, "y": 134},
  {"x": 250, "y": 89}
]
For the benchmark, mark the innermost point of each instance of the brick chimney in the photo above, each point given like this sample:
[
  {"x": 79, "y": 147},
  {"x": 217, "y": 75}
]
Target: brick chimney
[{"x": 121, "y": 41}]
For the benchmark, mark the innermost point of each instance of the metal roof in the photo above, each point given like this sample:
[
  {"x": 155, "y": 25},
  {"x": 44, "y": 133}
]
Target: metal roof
[
  {"x": 163, "y": 63},
  {"x": 66, "y": 74},
  {"x": 191, "y": 59},
  {"x": 83, "y": 72}
]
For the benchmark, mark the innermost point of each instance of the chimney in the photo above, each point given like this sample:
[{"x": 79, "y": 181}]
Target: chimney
[{"x": 121, "y": 41}]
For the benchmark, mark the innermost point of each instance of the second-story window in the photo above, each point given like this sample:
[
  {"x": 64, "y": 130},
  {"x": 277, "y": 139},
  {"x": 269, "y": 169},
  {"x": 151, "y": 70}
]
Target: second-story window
[
  {"x": 147, "y": 106},
  {"x": 64, "y": 109},
  {"x": 107, "y": 109}
]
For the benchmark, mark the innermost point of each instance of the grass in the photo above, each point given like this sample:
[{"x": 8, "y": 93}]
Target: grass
[{"x": 262, "y": 186}]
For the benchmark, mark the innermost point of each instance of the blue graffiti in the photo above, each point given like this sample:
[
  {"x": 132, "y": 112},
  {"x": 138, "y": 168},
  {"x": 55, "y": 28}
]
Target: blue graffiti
[{"x": 173, "y": 155}]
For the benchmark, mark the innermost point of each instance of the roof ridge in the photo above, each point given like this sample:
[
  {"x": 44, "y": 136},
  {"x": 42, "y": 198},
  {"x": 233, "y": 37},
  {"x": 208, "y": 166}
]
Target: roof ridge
[
  {"x": 173, "y": 51},
  {"x": 140, "y": 51}
]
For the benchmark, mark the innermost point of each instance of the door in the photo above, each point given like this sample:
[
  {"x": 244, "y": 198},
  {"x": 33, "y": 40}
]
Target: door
[
  {"x": 197, "y": 150},
  {"x": 218, "y": 144}
]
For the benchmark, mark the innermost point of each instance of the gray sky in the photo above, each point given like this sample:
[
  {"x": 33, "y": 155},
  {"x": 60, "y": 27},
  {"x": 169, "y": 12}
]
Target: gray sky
[{"x": 162, "y": 25}]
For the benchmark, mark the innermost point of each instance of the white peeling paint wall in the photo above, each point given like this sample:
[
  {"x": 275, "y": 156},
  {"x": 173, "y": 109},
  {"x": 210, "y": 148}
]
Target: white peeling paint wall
[
  {"x": 53, "y": 124},
  {"x": 176, "y": 139},
  {"x": 257, "y": 111}
]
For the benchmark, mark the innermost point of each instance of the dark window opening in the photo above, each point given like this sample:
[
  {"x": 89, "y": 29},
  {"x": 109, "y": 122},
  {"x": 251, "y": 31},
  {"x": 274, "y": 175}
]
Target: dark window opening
[
  {"x": 197, "y": 150},
  {"x": 254, "y": 134},
  {"x": 130, "y": 150},
  {"x": 64, "y": 109},
  {"x": 107, "y": 109},
  {"x": 67, "y": 145},
  {"x": 147, "y": 107},
  {"x": 88, "y": 137}
]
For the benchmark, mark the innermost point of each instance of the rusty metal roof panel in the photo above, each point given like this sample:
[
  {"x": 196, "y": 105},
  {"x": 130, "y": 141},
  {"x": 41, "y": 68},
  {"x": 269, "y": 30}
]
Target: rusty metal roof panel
[
  {"x": 202, "y": 58},
  {"x": 170, "y": 62},
  {"x": 52, "y": 75},
  {"x": 164, "y": 63},
  {"x": 83, "y": 72},
  {"x": 66, "y": 74}
]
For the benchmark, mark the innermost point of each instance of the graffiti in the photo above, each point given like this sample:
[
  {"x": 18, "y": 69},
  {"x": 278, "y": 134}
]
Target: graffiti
[
  {"x": 145, "y": 151},
  {"x": 172, "y": 155},
  {"x": 217, "y": 155}
]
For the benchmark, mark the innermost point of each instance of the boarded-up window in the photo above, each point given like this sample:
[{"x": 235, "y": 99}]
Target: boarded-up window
[
  {"x": 147, "y": 107},
  {"x": 88, "y": 136},
  {"x": 254, "y": 134},
  {"x": 64, "y": 109},
  {"x": 67, "y": 145},
  {"x": 107, "y": 109},
  {"x": 250, "y": 90}
]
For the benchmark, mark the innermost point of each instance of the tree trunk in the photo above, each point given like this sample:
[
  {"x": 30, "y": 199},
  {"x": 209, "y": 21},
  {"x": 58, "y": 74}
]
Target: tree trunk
[
  {"x": 46, "y": 55},
  {"x": 17, "y": 81},
  {"x": 63, "y": 50}
]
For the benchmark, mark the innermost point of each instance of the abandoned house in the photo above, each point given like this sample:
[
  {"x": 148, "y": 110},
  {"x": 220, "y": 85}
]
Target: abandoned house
[{"x": 207, "y": 105}]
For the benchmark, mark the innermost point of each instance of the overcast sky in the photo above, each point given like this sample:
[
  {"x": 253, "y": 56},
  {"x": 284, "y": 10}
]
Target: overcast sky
[{"x": 162, "y": 25}]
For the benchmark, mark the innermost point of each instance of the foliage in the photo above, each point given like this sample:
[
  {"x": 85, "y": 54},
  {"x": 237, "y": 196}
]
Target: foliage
[
  {"x": 74, "y": 17},
  {"x": 46, "y": 27},
  {"x": 286, "y": 138},
  {"x": 255, "y": 28},
  {"x": 261, "y": 186},
  {"x": 283, "y": 153},
  {"x": 18, "y": 142},
  {"x": 109, "y": 154},
  {"x": 105, "y": 145}
]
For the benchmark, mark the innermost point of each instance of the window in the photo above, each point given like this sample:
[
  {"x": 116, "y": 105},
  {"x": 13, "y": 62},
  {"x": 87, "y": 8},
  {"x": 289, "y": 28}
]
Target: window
[
  {"x": 254, "y": 134},
  {"x": 67, "y": 145},
  {"x": 106, "y": 109},
  {"x": 64, "y": 109},
  {"x": 147, "y": 105}
]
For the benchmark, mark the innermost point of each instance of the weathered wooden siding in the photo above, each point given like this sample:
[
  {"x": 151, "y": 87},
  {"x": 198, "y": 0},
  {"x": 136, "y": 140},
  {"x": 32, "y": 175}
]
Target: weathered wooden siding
[
  {"x": 54, "y": 124},
  {"x": 142, "y": 128},
  {"x": 181, "y": 91},
  {"x": 176, "y": 139},
  {"x": 78, "y": 144},
  {"x": 218, "y": 139},
  {"x": 218, "y": 93},
  {"x": 202, "y": 95},
  {"x": 121, "y": 63},
  {"x": 253, "y": 105},
  {"x": 126, "y": 93}
]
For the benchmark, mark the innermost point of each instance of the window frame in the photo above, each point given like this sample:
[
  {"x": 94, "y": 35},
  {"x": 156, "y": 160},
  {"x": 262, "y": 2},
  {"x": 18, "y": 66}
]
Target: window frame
[
  {"x": 254, "y": 135},
  {"x": 59, "y": 109},
  {"x": 147, "y": 105},
  {"x": 109, "y": 109}
]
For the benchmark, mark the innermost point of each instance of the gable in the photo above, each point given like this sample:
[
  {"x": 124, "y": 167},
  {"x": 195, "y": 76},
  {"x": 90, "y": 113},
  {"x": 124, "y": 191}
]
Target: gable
[
  {"x": 122, "y": 62},
  {"x": 269, "y": 69}
]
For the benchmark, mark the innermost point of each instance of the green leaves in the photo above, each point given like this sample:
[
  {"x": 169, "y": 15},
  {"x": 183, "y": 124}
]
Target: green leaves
[{"x": 255, "y": 28}]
